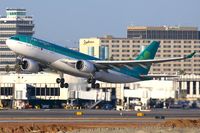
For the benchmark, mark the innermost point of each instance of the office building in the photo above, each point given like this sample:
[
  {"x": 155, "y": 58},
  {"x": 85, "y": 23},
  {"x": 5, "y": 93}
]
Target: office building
[
  {"x": 15, "y": 22},
  {"x": 129, "y": 48},
  {"x": 163, "y": 32}
]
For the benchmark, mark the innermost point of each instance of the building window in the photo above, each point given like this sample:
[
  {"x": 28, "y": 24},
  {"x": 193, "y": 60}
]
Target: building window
[
  {"x": 125, "y": 46},
  {"x": 177, "y": 65},
  {"x": 125, "y": 55},
  {"x": 166, "y": 65},
  {"x": 180, "y": 85},
  {"x": 104, "y": 41},
  {"x": 43, "y": 91},
  {"x": 115, "y": 41},
  {"x": 166, "y": 41},
  {"x": 187, "y": 51},
  {"x": 177, "y": 46},
  {"x": 115, "y": 46},
  {"x": 6, "y": 91},
  {"x": 188, "y": 87},
  {"x": 38, "y": 91},
  {"x": 167, "y": 55},
  {"x": 136, "y": 46},
  {"x": 115, "y": 55},
  {"x": 125, "y": 50},
  {"x": 177, "y": 51},
  {"x": 167, "y": 46},
  {"x": 187, "y": 46},
  {"x": 167, "y": 51},
  {"x": 177, "y": 55},
  {"x": 197, "y": 46},
  {"x": 125, "y": 41},
  {"x": 135, "y": 50},
  {"x": 199, "y": 87},
  {"x": 177, "y": 41},
  {"x": 194, "y": 87},
  {"x": 136, "y": 41},
  {"x": 167, "y": 69},
  {"x": 187, "y": 65},
  {"x": 115, "y": 50},
  {"x": 47, "y": 91},
  {"x": 187, "y": 41}
]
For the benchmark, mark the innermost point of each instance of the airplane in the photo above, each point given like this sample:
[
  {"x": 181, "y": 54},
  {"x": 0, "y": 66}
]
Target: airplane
[{"x": 36, "y": 54}]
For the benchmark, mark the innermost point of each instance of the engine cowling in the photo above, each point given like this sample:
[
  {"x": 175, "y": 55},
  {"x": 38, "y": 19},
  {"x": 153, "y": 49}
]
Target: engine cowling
[
  {"x": 29, "y": 65},
  {"x": 85, "y": 66}
]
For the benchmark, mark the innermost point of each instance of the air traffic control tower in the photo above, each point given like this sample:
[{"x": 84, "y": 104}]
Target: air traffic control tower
[{"x": 15, "y": 22}]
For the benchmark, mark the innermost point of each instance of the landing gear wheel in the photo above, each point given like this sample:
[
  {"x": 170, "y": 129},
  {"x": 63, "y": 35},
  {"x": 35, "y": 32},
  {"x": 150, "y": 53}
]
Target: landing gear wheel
[
  {"x": 62, "y": 85},
  {"x": 91, "y": 80},
  {"x": 97, "y": 85},
  {"x": 58, "y": 80},
  {"x": 66, "y": 85},
  {"x": 62, "y": 80}
]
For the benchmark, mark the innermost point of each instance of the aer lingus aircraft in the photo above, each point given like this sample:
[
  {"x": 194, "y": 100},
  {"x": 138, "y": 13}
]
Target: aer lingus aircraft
[{"x": 36, "y": 54}]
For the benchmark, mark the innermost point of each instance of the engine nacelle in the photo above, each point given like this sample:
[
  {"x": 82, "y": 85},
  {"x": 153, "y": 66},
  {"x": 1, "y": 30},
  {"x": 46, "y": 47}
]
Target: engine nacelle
[
  {"x": 29, "y": 65},
  {"x": 85, "y": 66}
]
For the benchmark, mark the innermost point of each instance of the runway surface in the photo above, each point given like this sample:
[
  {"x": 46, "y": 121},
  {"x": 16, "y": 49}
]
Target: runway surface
[{"x": 95, "y": 116}]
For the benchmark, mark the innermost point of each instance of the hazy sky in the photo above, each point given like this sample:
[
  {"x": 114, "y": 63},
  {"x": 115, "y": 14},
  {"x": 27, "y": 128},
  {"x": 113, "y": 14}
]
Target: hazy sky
[{"x": 65, "y": 21}]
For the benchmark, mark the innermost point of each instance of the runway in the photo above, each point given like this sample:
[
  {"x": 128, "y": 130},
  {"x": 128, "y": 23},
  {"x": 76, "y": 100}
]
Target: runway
[{"x": 94, "y": 116}]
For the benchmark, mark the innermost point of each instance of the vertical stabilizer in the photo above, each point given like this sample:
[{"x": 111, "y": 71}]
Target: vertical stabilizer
[{"x": 148, "y": 53}]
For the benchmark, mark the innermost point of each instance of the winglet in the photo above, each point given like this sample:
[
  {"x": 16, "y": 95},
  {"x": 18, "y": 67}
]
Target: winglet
[{"x": 191, "y": 55}]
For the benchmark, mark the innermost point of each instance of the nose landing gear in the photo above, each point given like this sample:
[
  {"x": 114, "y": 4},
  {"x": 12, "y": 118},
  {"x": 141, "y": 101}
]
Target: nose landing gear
[{"x": 62, "y": 83}]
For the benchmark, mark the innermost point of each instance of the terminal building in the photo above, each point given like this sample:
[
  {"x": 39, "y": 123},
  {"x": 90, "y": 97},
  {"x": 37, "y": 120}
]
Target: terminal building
[
  {"x": 15, "y": 22},
  {"x": 29, "y": 90},
  {"x": 112, "y": 48},
  {"x": 19, "y": 90}
]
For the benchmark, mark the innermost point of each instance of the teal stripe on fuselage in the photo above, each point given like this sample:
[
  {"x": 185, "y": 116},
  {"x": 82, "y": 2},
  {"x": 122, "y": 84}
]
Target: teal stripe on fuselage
[
  {"x": 68, "y": 52},
  {"x": 55, "y": 48}
]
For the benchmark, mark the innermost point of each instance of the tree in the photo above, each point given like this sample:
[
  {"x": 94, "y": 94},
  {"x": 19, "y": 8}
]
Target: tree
[
  {"x": 17, "y": 68},
  {"x": 7, "y": 68},
  {"x": 181, "y": 72},
  {"x": 111, "y": 58}
]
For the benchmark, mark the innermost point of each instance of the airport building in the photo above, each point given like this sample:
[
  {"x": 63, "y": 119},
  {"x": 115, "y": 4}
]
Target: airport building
[
  {"x": 19, "y": 90},
  {"x": 29, "y": 90},
  {"x": 15, "y": 22},
  {"x": 112, "y": 48}
]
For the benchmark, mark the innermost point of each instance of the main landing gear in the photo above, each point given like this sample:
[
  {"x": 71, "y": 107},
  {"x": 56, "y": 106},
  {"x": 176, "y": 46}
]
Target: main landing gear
[
  {"x": 62, "y": 83},
  {"x": 92, "y": 81}
]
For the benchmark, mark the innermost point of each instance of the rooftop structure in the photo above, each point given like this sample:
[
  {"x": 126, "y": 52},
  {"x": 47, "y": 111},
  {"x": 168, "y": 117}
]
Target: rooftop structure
[{"x": 163, "y": 32}]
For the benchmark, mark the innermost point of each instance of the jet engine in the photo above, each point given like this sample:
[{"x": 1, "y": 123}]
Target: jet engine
[
  {"x": 29, "y": 65},
  {"x": 85, "y": 66}
]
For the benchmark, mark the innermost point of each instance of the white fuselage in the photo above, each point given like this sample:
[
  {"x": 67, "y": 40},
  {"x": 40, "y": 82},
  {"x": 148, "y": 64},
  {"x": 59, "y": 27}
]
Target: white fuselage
[{"x": 54, "y": 60}]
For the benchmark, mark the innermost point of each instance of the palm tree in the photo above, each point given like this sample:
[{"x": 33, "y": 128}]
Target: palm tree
[
  {"x": 7, "y": 68},
  {"x": 17, "y": 68}
]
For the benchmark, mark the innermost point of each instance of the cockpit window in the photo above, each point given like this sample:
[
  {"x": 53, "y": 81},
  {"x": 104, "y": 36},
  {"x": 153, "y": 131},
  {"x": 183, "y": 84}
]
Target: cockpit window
[{"x": 15, "y": 38}]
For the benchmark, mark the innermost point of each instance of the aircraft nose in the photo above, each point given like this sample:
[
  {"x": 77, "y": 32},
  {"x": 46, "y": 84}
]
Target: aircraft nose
[{"x": 7, "y": 42}]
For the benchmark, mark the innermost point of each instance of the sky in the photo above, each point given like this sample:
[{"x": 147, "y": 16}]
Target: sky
[{"x": 66, "y": 21}]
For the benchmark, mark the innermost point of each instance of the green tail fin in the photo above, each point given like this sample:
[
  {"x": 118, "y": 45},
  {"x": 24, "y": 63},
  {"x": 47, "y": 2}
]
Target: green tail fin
[{"x": 148, "y": 53}]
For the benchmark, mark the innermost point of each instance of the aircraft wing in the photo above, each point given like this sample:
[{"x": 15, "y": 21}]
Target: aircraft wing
[
  {"x": 105, "y": 64},
  {"x": 138, "y": 62}
]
